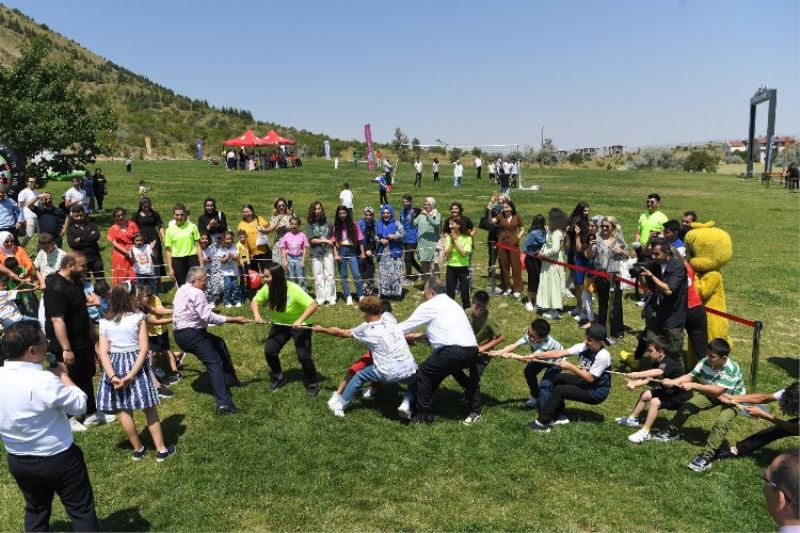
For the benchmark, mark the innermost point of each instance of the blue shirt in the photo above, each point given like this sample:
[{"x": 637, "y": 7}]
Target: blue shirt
[
  {"x": 10, "y": 213},
  {"x": 534, "y": 241},
  {"x": 407, "y": 217}
]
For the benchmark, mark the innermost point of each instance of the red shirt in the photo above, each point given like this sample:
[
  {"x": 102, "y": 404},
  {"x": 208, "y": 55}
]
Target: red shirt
[{"x": 694, "y": 297}]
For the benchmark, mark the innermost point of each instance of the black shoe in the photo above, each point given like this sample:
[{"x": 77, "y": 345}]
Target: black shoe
[
  {"x": 224, "y": 410},
  {"x": 727, "y": 453},
  {"x": 276, "y": 384},
  {"x": 312, "y": 390},
  {"x": 164, "y": 392}
]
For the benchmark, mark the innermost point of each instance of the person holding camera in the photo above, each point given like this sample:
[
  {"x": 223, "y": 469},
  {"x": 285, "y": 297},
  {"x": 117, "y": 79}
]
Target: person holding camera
[
  {"x": 665, "y": 306},
  {"x": 34, "y": 406},
  {"x": 607, "y": 251}
]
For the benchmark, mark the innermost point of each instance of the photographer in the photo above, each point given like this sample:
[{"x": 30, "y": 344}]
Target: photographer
[
  {"x": 34, "y": 405},
  {"x": 665, "y": 306}
]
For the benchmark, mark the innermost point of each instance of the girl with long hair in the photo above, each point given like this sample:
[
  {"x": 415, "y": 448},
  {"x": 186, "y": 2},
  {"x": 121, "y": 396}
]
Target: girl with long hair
[
  {"x": 576, "y": 243},
  {"x": 348, "y": 248},
  {"x": 550, "y": 293},
  {"x": 367, "y": 264},
  {"x": 319, "y": 234},
  {"x": 534, "y": 241},
  {"x": 290, "y": 308},
  {"x": 509, "y": 232},
  {"x": 127, "y": 381},
  {"x": 608, "y": 252},
  {"x": 457, "y": 250}
]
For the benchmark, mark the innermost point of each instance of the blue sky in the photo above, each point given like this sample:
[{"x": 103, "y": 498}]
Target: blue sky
[{"x": 592, "y": 73}]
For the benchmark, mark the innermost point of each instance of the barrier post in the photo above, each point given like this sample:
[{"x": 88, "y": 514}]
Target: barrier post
[{"x": 756, "y": 352}]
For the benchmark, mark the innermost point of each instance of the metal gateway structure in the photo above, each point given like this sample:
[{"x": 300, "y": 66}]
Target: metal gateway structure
[{"x": 763, "y": 94}]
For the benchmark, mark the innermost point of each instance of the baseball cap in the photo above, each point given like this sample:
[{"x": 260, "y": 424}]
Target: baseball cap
[{"x": 597, "y": 332}]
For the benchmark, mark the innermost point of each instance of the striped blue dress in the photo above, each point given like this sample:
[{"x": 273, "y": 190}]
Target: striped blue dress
[{"x": 141, "y": 393}]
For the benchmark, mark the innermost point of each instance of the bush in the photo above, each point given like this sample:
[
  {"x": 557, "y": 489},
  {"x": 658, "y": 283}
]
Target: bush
[
  {"x": 575, "y": 158},
  {"x": 701, "y": 161},
  {"x": 656, "y": 158}
]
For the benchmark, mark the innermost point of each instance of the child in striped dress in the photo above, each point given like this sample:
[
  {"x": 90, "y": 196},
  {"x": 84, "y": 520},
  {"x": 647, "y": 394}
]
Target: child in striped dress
[{"x": 127, "y": 383}]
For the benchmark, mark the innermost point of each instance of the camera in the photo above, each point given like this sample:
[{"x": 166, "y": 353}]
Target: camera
[
  {"x": 52, "y": 360},
  {"x": 496, "y": 209},
  {"x": 636, "y": 270}
]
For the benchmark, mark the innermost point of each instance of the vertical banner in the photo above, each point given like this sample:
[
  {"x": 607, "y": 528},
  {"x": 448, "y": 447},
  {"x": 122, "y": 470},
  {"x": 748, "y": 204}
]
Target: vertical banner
[
  {"x": 327, "y": 150},
  {"x": 370, "y": 153},
  {"x": 199, "y": 144}
]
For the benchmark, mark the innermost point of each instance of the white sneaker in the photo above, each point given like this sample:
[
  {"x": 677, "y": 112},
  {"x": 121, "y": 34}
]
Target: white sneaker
[
  {"x": 529, "y": 307},
  {"x": 335, "y": 399},
  {"x": 561, "y": 420},
  {"x": 498, "y": 290},
  {"x": 568, "y": 294},
  {"x": 472, "y": 418},
  {"x": 404, "y": 410},
  {"x": 98, "y": 418},
  {"x": 332, "y": 302},
  {"x": 228, "y": 306},
  {"x": 337, "y": 409},
  {"x": 640, "y": 303},
  {"x": 532, "y": 402},
  {"x": 516, "y": 295},
  {"x": 639, "y": 437},
  {"x": 349, "y": 300},
  {"x": 75, "y": 425},
  {"x": 507, "y": 293},
  {"x": 238, "y": 304},
  {"x": 368, "y": 393}
]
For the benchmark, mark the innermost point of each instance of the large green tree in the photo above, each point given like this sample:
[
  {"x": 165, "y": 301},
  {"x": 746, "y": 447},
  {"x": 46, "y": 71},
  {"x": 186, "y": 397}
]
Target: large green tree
[{"x": 42, "y": 108}]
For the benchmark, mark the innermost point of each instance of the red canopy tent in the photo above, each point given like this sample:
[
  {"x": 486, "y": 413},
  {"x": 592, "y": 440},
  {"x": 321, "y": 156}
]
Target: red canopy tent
[
  {"x": 247, "y": 139},
  {"x": 273, "y": 139}
]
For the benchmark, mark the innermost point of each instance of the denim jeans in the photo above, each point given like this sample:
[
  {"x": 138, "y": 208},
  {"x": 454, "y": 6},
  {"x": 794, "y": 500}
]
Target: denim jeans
[
  {"x": 541, "y": 389},
  {"x": 296, "y": 269},
  {"x": 349, "y": 258},
  {"x": 370, "y": 375},
  {"x": 148, "y": 280},
  {"x": 231, "y": 294}
]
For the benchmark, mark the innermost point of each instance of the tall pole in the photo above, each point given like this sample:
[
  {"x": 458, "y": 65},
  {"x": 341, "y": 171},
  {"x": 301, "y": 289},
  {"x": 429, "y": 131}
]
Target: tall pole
[{"x": 541, "y": 156}]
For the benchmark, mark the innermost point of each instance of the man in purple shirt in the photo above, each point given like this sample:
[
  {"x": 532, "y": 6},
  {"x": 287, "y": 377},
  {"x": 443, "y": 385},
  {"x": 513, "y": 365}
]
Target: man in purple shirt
[{"x": 191, "y": 315}]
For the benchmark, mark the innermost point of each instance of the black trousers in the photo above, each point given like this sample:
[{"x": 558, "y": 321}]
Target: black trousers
[
  {"x": 278, "y": 337},
  {"x": 492, "y": 249},
  {"x": 534, "y": 268},
  {"x": 384, "y": 199},
  {"x": 409, "y": 259},
  {"x": 478, "y": 176},
  {"x": 472, "y": 384},
  {"x": 418, "y": 179},
  {"x": 181, "y": 266},
  {"x": 458, "y": 277},
  {"x": 213, "y": 353},
  {"x": 94, "y": 266},
  {"x": 366, "y": 267},
  {"x": 81, "y": 373},
  {"x": 697, "y": 330},
  {"x": 762, "y": 438},
  {"x": 604, "y": 285},
  {"x": 65, "y": 474},
  {"x": 440, "y": 364},
  {"x": 435, "y": 176},
  {"x": 566, "y": 386}
]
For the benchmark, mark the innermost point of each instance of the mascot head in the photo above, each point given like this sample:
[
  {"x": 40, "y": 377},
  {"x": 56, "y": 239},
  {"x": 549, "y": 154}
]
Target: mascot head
[{"x": 708, "y": 248}]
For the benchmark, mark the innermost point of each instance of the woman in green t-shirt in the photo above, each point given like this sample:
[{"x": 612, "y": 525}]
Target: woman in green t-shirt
[
  {"x": 291, "y": 306},
  {"x": 457, "y": 250},
  {"x": 182, "y": 243}
]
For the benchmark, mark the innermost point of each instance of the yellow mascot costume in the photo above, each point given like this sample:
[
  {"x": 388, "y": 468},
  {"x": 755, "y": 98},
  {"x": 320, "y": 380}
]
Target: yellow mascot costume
[{"x": 709, "y": 249}]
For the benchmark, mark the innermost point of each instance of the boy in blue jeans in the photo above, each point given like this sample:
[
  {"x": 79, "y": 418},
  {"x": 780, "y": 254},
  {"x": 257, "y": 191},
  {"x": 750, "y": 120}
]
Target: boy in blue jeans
[{"x": 538, "y": 338}]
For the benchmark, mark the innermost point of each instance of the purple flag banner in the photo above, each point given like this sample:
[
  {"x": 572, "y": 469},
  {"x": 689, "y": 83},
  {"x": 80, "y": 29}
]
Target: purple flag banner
[{"x": 370, "y": 152}]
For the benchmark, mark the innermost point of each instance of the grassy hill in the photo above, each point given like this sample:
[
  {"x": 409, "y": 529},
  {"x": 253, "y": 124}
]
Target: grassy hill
[{"x": 144, "y": 108}]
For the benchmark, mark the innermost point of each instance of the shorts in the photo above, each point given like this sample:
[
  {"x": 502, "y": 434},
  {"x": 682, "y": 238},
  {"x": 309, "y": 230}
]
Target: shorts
[
  {"x": 670, "y": 400},
  {"x": 361, "y": 364},
  {"x": 158, "y": 343}
]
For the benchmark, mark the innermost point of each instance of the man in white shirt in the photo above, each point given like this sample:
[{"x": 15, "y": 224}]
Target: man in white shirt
[
  {"x": 346, "y": 198},
  {"x": 417, "y": 172},
  {"x": 454, "y": 345},
  {"x": 75, "y": 196},
  {"x": 458, "y": 172},
  {"x": 34, "y": 405},
  {"x": 31, "y": 220},
  {"x": 478, "y": 165}
]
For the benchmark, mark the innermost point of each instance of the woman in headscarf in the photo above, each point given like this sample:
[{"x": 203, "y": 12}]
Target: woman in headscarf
[
  {"x": 367, "y": 264},
  {"x": 390, "y": 236},
  {"x": 9, "y": 249},
  {"x": 428, "y": 224}
]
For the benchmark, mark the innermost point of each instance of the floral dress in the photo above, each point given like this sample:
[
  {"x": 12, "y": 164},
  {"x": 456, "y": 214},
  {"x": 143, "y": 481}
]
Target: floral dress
[{"x": 214, "y": 275}]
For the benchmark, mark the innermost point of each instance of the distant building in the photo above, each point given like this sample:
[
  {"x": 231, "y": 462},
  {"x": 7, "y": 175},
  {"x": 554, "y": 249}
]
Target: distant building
[
  {"x": 616, "y": 149},
  {"x": 587, "y": 153},
  {"x": 731, "y": 147},
  {"x": 779, "y": 144}
]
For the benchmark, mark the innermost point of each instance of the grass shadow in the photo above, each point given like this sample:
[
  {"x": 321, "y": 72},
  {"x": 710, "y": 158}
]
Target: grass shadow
[
  {"x": 172, "y": 428},
  {"x": 787, "y": 363},
  {"x": 129, "y": 519},
  {"x": 583, "y": 415}
]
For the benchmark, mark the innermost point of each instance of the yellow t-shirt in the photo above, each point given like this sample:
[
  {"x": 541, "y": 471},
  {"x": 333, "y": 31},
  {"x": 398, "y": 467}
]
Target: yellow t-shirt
[
  {"x": 244, "y": 253},
  {"x": 154, "y": 330},
  {"x": 252, "y": 233}
]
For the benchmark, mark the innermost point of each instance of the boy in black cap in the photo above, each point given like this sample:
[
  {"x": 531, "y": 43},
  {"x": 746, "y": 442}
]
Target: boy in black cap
[{"x": 588, "y": 383}]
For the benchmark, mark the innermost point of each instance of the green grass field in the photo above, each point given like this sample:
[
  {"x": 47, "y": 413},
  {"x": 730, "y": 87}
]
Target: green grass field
[{"x": 285, "y": 463}]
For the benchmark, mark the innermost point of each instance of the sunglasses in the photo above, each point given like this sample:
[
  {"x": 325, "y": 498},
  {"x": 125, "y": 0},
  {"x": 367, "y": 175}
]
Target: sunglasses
[{"x": 774, "y": 485}]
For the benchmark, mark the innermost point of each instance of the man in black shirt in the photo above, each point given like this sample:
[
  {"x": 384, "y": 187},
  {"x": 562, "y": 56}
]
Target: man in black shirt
[
  {"x": 83, "y": 237},
  {"x": 666, "y": 305},
  {"x": 51, "y": 218},
  {"x": 68, "y": 326}
]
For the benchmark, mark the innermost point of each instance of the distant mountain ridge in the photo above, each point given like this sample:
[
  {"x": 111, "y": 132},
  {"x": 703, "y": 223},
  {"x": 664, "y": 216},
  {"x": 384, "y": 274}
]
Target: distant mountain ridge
[{"x": 144, "y": 108}]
